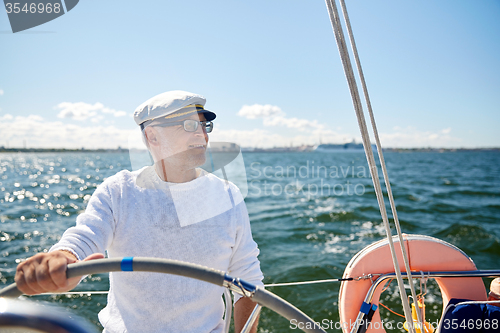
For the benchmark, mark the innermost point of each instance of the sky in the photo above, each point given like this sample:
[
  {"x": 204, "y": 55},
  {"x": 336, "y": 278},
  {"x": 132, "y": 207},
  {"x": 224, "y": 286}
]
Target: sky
[{"x": 270, "y": 70}]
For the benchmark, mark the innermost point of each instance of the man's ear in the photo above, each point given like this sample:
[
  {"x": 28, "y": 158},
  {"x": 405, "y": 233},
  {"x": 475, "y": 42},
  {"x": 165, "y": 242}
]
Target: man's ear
[{"x": 151, "y": 136}]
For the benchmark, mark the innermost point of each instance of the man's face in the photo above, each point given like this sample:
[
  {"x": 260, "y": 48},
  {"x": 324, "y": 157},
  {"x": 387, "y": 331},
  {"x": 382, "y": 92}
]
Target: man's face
[{"x": 177, "y": 146}]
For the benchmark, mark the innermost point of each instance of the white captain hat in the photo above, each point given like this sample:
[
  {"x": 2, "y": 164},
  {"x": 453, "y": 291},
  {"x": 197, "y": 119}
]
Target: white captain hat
[{"x": 170, "y": 105}]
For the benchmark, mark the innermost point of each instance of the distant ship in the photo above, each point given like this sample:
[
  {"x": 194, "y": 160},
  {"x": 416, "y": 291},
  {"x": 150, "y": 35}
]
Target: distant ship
[{"x": 330, "y": 147}]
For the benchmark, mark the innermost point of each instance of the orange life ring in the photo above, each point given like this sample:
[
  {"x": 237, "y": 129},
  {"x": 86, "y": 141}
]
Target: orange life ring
[{"x": 425, "y": 254}]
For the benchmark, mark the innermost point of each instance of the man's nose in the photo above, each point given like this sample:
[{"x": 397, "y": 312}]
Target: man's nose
[{"x": 201, "y": 131}]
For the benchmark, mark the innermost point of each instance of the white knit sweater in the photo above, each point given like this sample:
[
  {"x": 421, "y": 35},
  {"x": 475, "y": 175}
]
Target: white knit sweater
[{"x": 204, "y": 221}]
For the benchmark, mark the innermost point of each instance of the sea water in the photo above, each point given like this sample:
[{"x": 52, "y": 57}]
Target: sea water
[{"x": 310, "y": 213}]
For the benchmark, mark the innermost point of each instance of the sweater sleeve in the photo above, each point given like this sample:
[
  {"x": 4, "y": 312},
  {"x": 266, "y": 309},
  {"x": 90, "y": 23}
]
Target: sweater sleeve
[
  {"x": 94, "y": 228},
  {"x": 244, "y": 263}
]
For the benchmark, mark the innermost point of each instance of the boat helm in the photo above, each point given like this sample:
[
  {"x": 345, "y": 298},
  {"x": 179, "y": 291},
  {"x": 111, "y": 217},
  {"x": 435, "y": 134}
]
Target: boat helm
[{"x": 30, "y": 317}]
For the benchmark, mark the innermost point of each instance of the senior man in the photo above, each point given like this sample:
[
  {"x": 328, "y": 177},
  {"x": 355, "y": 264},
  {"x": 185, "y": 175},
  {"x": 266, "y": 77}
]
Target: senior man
[{"x": 172, "y": 210}]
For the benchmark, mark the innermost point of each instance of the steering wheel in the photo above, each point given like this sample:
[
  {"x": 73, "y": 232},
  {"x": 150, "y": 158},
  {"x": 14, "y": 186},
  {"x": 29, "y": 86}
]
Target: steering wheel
[{"x": 217, "y": 277}]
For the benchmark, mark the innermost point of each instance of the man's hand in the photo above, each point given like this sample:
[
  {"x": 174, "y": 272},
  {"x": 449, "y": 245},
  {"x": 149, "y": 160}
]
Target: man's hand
[{"x": 46, "y": 273}]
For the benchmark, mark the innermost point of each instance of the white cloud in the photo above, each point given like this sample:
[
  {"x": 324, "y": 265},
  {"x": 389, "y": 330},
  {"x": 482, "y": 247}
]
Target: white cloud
[
  {"x": 273, "y": 116},
  {"x": 34, "y": 117},
  {"x": 408, "y": 137},
  {"x": 114, "y": 112},
  {"x": 6, "y": 117},
  {"x": 78, "y": 111},
  {"x": 249, "y": 138},
  {"x": 262, "y": 138},
  {"x": 259, "y": 111},
  {"x": 311, "y": 132},
  {"x": 1, "y": 92},
  {"x": 40, "y": 133},
  {"x": 97, "y": 119},
  {"x": 412, "y": 137},
  {"x": 446, "y": 130},
  {"x": 83, "y": 111},
  {"x": 300, "y": 124}
]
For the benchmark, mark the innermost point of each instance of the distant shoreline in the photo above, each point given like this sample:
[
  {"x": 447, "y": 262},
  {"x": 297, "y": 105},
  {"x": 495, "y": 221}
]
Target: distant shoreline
[{"x": 247, "y": 150}]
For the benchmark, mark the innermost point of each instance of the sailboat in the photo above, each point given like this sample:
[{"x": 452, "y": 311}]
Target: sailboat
[{"x": 397, "y": 257}]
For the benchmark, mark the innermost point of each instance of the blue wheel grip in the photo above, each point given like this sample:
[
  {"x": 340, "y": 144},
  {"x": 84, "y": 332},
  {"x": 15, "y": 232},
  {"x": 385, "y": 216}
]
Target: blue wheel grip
[{"x": 126, "y": 264}]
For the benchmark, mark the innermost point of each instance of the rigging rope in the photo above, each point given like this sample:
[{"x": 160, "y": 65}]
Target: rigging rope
[
  {"x": 104, "y": 292},
  {"x": 380, "y": 154},
  {"x": 306, "y": 282},
  {"x": 346, "y": 62}
]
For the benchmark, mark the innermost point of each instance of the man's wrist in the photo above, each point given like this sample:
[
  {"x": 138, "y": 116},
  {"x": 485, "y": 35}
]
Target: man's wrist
[{"x": 68, "y": 252}]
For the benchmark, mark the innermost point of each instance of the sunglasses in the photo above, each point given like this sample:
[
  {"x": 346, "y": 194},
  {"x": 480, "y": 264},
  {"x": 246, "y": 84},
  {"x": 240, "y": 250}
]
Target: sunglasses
[{"x": 190, "y": 125}]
